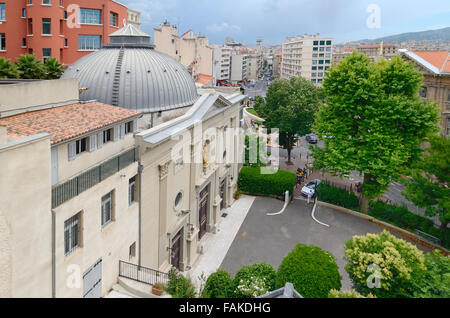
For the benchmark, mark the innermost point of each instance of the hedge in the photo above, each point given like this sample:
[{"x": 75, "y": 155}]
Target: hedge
[
  {"x": 251, "y": 181},
  {"x": 331, "y": 194},
  {"x": 218, "y": 285},
  {"x": 402, "y": 217},
  {"x": 311, "y": 270}
]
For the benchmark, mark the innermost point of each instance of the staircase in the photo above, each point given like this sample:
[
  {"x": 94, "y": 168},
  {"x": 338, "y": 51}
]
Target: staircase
[{"x": 116, "y": 81}]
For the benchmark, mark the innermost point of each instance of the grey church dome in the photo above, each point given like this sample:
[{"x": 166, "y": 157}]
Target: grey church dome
[{"x": 129, "y": 73}]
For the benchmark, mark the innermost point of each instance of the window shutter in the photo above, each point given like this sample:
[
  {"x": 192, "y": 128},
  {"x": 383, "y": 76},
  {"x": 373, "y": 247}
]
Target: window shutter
[
  {"x": 116, "y": 133},
  {"x": 92, "y": 143},
  {"x": 100, "y": 140},
  {"x": 135, "y": 122},
  {"x": 122, "y": 131},
  {"x": 72, "y": 151}
]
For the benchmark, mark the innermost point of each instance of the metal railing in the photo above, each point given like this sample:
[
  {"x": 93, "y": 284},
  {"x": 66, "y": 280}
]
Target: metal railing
[
  {"x": 142, "y": 274},
  {"x": 64, "y": 192},
  {"x": 428, "y": 237}
]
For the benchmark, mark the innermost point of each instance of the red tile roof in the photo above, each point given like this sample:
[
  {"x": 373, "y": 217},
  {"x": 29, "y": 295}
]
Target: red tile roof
[
  {"x": 439, "y": 59},
  {"x": 204, "y": 79},
  {"x": 65, "y": 122}
]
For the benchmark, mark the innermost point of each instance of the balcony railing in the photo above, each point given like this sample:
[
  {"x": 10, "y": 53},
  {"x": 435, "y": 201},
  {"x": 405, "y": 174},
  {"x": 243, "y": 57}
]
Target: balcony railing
[
  {"x": 142, "y": 274},
  {"x": 64, "y": 192}
]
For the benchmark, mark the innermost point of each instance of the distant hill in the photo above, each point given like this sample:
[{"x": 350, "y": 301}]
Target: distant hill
[{"x": 431, "y": 35}]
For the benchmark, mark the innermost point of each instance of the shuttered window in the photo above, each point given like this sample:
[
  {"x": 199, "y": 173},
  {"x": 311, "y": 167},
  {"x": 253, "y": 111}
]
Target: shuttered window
[
  {"x": 122, "y": 131},
  {"x": 71, "y": 234},
  {"x": 107, "y": 209},
  {"x": 100, "y": 140},
  {"x": 92, "y": 143}
]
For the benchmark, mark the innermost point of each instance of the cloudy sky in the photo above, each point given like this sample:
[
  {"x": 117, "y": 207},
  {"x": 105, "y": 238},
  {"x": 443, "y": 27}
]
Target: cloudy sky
[{"x": 245, "y": 20}]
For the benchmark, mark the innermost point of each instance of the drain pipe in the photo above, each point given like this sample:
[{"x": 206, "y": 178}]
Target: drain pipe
[
  {"x": 140, "y": 170},
  {"x": 53, "y": 254}
]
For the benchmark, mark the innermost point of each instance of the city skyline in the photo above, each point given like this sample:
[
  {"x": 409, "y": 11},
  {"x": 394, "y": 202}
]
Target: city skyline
[{"x": 245, "y": 21}]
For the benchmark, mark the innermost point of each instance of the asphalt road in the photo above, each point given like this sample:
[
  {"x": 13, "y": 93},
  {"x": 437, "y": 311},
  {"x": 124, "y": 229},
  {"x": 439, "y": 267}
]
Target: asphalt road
[{"x": 263, "y": 238}]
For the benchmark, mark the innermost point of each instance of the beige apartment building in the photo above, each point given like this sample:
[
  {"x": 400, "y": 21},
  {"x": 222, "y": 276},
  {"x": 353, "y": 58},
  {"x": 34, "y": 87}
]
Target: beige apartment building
[
  {"x": 277, "y": 59},
  {"x": 222, "y": 63},
  {"x": 435, "y": 66},
  {"x": 191, "y": 50},
  {"x": 373, "y": 51},
  {"x": 134, "y": 18},
  {"x": 239, "y": 66},
  {"x": 76, "y": 214},
  {"x": 308, "y": 56}
]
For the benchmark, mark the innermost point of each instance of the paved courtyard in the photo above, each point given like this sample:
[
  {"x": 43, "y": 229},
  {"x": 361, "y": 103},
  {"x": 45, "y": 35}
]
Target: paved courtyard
[{"x": 263, "y": 238}]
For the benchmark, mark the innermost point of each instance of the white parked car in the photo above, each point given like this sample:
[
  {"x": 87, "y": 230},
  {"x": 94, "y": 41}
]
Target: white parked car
[{"x": 310, "y": 188}]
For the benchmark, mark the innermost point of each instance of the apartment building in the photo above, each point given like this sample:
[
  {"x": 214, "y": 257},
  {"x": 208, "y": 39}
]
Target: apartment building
[
  {"x": 134, "y": 18},
  {"x": 62, "y": 29},
  {"x": 76, "y": 214},
  {"x": 222, "y": 63},
  {"x": 239, "y": 67},
  {"x": 435, "y": 66},
  {"x": 191, "y": 50},
  {"x": 277, "y": 59},
  {"x": 308, "y": 56}
]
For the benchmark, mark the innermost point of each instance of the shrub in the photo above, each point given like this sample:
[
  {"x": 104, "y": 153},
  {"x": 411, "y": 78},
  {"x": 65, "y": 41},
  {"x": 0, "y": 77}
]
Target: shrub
[
  {"x": 382, "y": 257},
  {"x": 347, "y": 294},
  {"x": 402, "y": 217},
  {"x": 435, "y": 283},
  {"x": 247, "y": 274},
  {"x": 331, "y": 194},
  {"x": 252, "y": 287},
  {"x": 180, "y": 286},
  {"x": 311, "y": 270},
  {"x": 218, "y": 285},
  {"x": 251, "y": 181}
]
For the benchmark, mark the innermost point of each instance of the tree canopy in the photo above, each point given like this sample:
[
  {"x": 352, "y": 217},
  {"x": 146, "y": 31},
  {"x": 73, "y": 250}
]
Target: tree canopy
[
  {"x": 430, "y": 176},
  {"x": 289, "y": 106},
  {"x": 373, "y": 121},
  {"x": 28, "y": 67}
]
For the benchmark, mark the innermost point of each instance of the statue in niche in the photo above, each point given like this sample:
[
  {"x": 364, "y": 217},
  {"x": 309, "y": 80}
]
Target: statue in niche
[{"x": 206, "y": 154}]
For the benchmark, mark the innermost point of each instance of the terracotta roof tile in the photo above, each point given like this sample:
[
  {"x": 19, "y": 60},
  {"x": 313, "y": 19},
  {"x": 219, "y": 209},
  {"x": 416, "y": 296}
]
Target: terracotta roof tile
[
  {"x": 65, "y": 122},
  {"x": 204, "y": 79},
  {"x": 439, "y": 59}
]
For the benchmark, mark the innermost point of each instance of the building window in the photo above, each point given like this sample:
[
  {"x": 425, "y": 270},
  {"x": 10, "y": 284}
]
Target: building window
[
  {"x": 107, "y": 209},
  {"x": 132, "y": 191},
  {"x": 66, "y": 43},
  {"x": 329, "y": 42},
  {"x": 89, "y": 42},
  {"x": 46, "y": 2},
  {"x": 423, "y": 92},
  {"x": 71, "y": 234},
  {"x": 448, "y": 127},
  {"x": 178, "y": 201},
  {"x": 107, "y": 135},
  {"x": 46, "y": 54},
  {"x": 132, "y": 253},
  {"x": 448, "y": 97},
  {"x": 81, "y": 146},
  {"x": 129, "y": 127},
  {"x": 30, "y": 2},
  {"x": 24, "y": 42},
  {"x": 90, "y": 16},
  {"x": 46, "y": 26},
  {"x": 113, "y": 18},
  {"x": 316, "y": 42},
  {"x": 24, "y": 13},
  {"x": 2, "y": 42},
  {"x": 30, "y": 26},
  {"x": 2, "y": 12}
]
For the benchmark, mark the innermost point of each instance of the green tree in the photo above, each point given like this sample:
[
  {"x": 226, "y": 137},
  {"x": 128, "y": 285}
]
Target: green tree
[
  {"x": 30, "y": 67},
  {"x": 218, "y": 285},
  {"x": 373, "y": 121},
  {"x": 289, "y": 106},
  {"x": 8, "y": 69},
  {"x": 428, "y": 186},
  {"x": 52, "y": 68},
  {"x": 435, "y": 282}
]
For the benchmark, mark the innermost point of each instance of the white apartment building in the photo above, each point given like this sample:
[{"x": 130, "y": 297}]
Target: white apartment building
[
  {"x": 308, "y": 56},
  {"x": 239, "y": 71},
  {"x": 222, "y": 63}
]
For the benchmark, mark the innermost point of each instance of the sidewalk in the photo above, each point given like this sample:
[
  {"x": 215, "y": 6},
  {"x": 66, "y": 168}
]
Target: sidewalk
[{"x": 217, "y": 245}]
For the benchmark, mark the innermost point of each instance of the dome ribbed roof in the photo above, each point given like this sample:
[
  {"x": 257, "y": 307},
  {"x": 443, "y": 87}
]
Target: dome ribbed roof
[{"x": 129, "y": 73}]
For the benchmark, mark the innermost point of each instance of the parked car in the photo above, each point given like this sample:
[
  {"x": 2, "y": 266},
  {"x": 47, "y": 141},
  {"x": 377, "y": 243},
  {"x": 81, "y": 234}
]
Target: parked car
[
  {"x": 312, "y": 139},
  {"x": 310, "y": 188}
]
